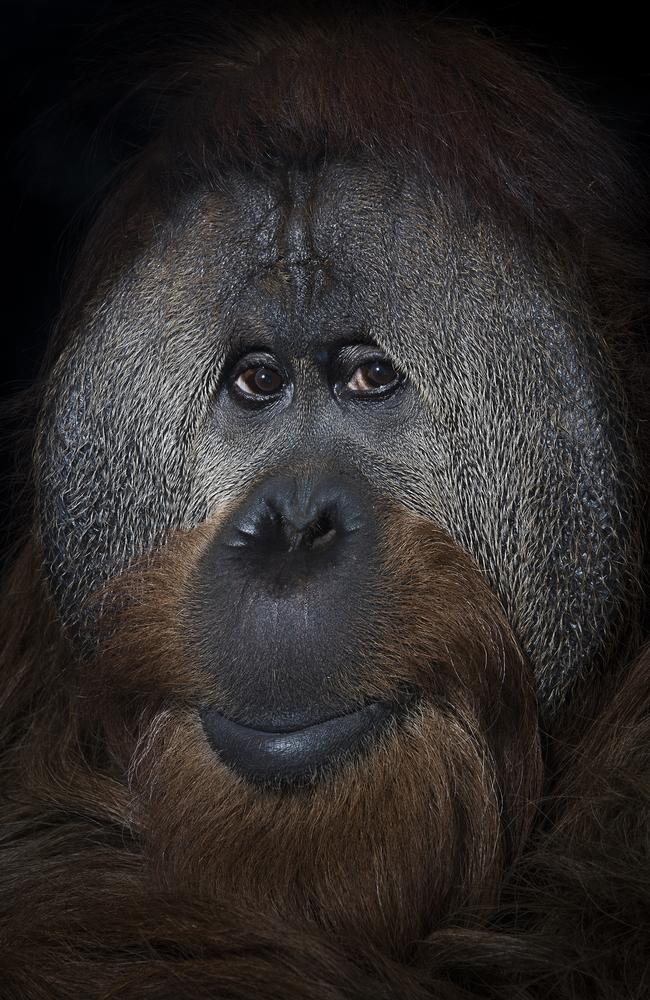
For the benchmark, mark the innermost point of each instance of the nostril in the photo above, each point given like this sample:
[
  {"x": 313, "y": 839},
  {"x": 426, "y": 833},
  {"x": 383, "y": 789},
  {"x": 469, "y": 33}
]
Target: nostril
[
  {"x": 319, "y": 533},
  {"x": 322, "y": 540}
]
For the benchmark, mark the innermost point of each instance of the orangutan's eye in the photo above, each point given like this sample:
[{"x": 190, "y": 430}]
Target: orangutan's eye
[
  {"x": 375, "y": 377},
  {"x": 260, "y": 381}
]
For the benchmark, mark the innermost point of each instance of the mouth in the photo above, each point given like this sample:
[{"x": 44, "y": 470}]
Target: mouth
[{"x": 292, "y": 753}]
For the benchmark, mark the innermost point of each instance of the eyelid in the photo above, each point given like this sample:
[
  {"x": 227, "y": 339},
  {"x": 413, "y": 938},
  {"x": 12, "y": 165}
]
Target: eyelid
[
  {"x": 254, "y": 359},
  {"x": 361, "y": 353}
]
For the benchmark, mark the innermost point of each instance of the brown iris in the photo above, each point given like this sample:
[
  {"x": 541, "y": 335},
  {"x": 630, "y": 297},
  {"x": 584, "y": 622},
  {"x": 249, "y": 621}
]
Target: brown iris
[
  {"x": 260, "y": 381},
  {"x": 374, "y": 375}
]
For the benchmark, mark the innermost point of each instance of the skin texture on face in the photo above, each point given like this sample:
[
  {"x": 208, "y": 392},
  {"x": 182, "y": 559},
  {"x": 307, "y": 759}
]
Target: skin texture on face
[{"x": 507, "y": 429}]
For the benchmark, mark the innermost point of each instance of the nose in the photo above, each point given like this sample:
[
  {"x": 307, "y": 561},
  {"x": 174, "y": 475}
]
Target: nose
[{"x": 301, "y": 518}]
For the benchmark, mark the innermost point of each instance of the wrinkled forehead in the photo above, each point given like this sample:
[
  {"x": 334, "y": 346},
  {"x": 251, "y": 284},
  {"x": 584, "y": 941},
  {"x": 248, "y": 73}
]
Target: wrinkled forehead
[
  {"x": 340, "y": 224},
  {"x": 304, "y": 257},
  {"x": 303, "y": 252}
]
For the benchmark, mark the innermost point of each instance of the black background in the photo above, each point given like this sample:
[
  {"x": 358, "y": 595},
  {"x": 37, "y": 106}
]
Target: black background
[{"x": 69, "y": 65}]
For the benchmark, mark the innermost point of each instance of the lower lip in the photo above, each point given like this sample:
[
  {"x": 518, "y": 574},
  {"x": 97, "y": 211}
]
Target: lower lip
[{"x": 272, "y": 757}]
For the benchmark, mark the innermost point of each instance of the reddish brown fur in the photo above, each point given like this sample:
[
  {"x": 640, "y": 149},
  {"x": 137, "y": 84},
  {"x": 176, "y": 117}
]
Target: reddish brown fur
[{"x": 137, "y": 864}]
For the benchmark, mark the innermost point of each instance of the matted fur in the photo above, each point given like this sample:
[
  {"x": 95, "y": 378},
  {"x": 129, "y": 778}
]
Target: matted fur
[{"x": 444, "y": 862}]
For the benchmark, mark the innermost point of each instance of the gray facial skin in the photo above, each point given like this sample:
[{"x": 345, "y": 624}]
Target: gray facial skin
[{"x": 508, "y": 430}]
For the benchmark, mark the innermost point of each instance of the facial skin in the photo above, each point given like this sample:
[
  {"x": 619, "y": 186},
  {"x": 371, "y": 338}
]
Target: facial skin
[{"x": 502, "y": 423}]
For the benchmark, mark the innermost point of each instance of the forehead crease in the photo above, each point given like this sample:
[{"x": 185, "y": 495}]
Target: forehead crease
[
  {"x": 334, "y": 246},
  {"x": 308, "y": 257}
]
